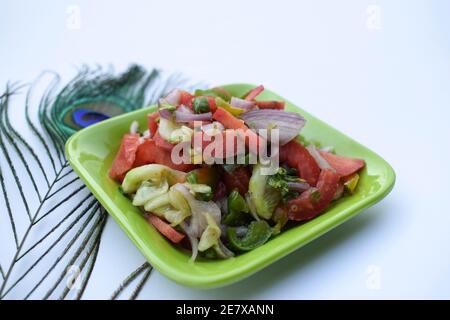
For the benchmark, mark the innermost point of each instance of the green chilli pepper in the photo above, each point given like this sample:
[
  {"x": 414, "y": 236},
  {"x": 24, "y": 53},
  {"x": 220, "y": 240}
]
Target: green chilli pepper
[
  {"x": 201, "y": 105},
  {"x": 258, "y": 233},
  {"x": 237, "y": 210}
]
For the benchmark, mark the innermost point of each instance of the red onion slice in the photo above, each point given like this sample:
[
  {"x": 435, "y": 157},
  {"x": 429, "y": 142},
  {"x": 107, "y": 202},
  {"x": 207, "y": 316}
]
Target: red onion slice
[
  {"x": 182, "y": 108},
  {"x": 242, "y": 104},
  {"x": 166, "y": 114},
  {"x": 173, "y": 97},
  {"x": 289, "y": 124},
  {"x": 188, "y": 117},
  {"x": 321, "y": 162}
]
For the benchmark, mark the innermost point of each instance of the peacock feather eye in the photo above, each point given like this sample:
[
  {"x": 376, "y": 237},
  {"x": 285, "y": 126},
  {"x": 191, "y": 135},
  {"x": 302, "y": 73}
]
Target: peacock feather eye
[{"x": 85, "y": 114}]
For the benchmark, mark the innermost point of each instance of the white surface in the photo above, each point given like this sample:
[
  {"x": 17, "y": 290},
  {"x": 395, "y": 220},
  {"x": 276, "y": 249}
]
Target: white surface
[{"x": 388, "y": 88}]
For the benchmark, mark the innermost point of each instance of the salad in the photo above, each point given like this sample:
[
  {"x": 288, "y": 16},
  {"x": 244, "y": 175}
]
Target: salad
[{"x": 221, "y": 175}]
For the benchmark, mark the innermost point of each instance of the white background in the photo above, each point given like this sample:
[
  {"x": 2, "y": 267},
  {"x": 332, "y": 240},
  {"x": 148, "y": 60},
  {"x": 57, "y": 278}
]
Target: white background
[{"x": 382, "y": 79}]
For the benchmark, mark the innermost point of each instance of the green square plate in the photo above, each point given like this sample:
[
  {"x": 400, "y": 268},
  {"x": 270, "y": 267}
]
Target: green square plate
[{"x": 91, "y": 152}]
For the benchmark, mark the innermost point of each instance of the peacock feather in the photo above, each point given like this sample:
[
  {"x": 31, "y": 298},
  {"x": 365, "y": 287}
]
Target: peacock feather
[{"x": 54, "y": 224}]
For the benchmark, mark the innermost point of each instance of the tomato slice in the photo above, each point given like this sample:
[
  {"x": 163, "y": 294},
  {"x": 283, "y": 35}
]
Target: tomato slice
[
  {"x": 237, "y": 179},
  {"x": 164, "y": 228},
  {"x": 162, "y": 143},
  {"x": 148, "y": 152},
  {"x": 279, "y": 105},
  {"x": 252, "y": 94},
  {"x": 186, "y": 98},
  {"x": 344, "y": 166},
  {"x": 152, "y": 122},
  {"x": 298, "y": 157},
  {"x": 313, "y": 201},
  {"x": 228, "y": 120},
  {"x": 125, "y": 156}
]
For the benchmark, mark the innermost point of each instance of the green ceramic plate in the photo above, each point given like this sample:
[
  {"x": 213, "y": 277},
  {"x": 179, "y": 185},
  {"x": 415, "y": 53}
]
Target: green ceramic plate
[{"x": 91, "y": 151}]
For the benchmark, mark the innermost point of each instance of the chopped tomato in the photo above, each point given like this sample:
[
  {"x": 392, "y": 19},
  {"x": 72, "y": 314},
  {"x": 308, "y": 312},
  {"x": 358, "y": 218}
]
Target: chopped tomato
[
  {"x": 270, "y": 104},
  {"x": 125, "y": 156},
  {"x": 164, "y": 228},
  {"x": 148, "y": 152},
  {"x": 231, "y": 122},
  {"x": 252, "y": 94},
  {"x": 298, "y": 157},
  {"x": 186, "y": 98},
  {"x": 313, "y": 201},
  {"x": 344, "y": 166},
  {"x": 152, "y": 122},
  {"x": 162, "y": 143},
  {"x": 237, "y": 179},
  {"x": 228, "y": 120}
]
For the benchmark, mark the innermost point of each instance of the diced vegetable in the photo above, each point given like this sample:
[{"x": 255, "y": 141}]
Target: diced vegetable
[
  {"x": 153, "y": 172},
  {"x": 166, "y": 127},
  {"x": 237, "y": 210},
  {"x": 165, "y": 229},
  {"x": 149, "y": 190},
  {"x": 125, "y": 156},
  {"x": 279, "y": 105},
  {"x": 148, "y": 152},
  {"x": 242, "y": 104},
  {"x": 153, "y": 119},
  {"x": 237, "y": 179},
  {"x": 258, "y": 233},
  {"x": 253, "y": 93},
  {"x": 186, "y": 98},
  {"x": 281, "y": 180},
  {"x": 220, "y": 103},
  {"x": 264, "y": 197},
  {"x": 210, "y": 237},
  {"x": 228, "y": 120},
  {"x": 214, "y": 92},
  {"x": 312, "y": 202},
  {"x": 344, "y": 166},
  {"x": 351, "y": 182},
  {"x": 296, "y": 156},
  {"x": 201, "y": 105},
  {"x": 289, "y": 124},
  {"x": 162, "y": 143},
  {"x": 280, "y": 217}
]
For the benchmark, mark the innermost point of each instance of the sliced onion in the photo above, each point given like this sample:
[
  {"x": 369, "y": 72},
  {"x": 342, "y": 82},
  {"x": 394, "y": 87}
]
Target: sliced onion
[
  {"x": 165, "y": 113},
  {"x": 242, "y": 104},
  {"x": 327, "y": 149},
  {"x": 321, "y": 162},
  {"x": 188, "y": 117},
  {"x": 289, "y": 124},
  {"x": 182, "y": 108},
  {"x": 251, "y": 206},
  {"x": 173, "y": 97},
  {"x": 223, "y": 251},
  {"x": 134, "y": 127},
  {"x": 339, "y": 191},
  {"x": 213, "y": 128},
  {"x": 192, "y": 239},
  {"x": 298, "y": 186}
]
